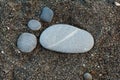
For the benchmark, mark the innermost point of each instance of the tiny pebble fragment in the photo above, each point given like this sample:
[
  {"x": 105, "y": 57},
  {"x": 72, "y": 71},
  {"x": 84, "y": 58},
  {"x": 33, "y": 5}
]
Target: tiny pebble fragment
[
  {"x": 83, "y": 65},
  {"x": 117, "y": 4},
  {"x": 34, "y": 24},
  {"x": 2, "y": 52},
  {"x": 111, "y": 1},
  {"x": 47, "y": 14},
  {"x": 87, "y": 76},
  {"x": 8, "y": 28},
  {"x": 100, "y": 74},
  {"x": 83, "y": 1},
  {"x": 26, "y": 42}
]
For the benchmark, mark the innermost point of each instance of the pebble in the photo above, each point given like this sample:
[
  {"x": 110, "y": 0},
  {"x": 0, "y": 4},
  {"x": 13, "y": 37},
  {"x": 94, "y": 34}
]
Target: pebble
[
  {"x": 117, "y": 4},
  {"x": 34, "y": 24},
  {"x": 87, "y": 76},
  {"x": 66, "y": 39},
  {"x": 26, "y": 42},
  {"x": 83, "y": 1},
  {"x": 47, "y": 14},
  {"x": 2, "y": 52},
  {"x": 111, "y": 1}
]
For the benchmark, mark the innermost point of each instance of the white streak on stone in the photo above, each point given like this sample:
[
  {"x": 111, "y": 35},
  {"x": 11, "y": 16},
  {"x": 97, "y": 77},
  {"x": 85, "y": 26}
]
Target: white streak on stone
[{"x": 67, "y": 37}]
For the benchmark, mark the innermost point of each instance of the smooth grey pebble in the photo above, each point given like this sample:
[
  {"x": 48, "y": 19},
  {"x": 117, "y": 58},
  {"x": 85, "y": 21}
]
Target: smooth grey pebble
[
  {"x": 87, "y": 76},
  {"x": 26, "y": 42},
  {"x": 47, "y": 14},
  {"x": 34, "y": 24},
  {"x": 66, "y": 39}
]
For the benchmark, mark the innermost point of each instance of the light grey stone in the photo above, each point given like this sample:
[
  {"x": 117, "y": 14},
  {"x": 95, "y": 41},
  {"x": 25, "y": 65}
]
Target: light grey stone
[
  {"x": 66, "y": 39},
  {"x": 87, "y": 76},
  {"x": 34, "y": 24},
  {"x": 26, "y": 42},
  {"x": 47, "y": 14}
]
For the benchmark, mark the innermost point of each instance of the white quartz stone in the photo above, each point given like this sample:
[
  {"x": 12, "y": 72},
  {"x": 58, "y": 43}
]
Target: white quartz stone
[
  {"x": 26, "y": 42},
  {"x": 34, "y": 24},
  {"x": 117, "y": 4},
  {"x": 66, "y": 39}
]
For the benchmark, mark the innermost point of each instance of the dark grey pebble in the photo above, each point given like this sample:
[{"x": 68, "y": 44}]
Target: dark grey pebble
[
  {"x": 111, "y": 1},
  {"x": 47, "y": 14},
  {"x": 83, "y": 1}
]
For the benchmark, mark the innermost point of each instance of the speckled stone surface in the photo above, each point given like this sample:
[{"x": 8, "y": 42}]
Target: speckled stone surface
[{"x": 67, "y": 39}]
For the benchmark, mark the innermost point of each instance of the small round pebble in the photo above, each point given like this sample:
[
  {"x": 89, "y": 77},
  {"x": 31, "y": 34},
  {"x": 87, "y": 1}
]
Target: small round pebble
[
  {"x": 26, "y": 42},
  {"x": 47, "y": 14},
  {"x": 87, "y": 76},
  {"x": 34, "y": 24}
]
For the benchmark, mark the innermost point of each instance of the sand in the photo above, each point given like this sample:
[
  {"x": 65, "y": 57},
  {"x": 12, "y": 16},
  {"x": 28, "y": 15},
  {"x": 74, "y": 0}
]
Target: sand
[{"x": 100, "y": 18}]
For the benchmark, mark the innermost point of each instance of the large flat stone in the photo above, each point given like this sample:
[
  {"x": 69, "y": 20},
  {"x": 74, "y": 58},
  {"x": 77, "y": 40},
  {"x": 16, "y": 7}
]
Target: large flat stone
[{"x": 66, "y": 39}]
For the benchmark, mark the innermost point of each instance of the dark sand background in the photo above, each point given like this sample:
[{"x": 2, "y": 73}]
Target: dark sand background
[{"x": 100, "y": 18}]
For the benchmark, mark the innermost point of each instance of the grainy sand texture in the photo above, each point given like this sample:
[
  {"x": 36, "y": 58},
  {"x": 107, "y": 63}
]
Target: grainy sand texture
[{"x": 100, "y": 18}]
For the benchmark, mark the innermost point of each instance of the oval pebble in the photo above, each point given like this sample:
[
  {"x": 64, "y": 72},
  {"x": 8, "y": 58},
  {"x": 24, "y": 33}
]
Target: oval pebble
[
  {"x": 66, "y": 39},
  {"x": 34, "y": 24},
  {"x": 87, "y": 76},
  {"x": 26, "y": 42}
]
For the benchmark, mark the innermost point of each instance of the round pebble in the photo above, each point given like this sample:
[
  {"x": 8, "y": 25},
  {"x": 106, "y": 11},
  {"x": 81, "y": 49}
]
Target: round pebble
[
  {"x": 34, "y": 24},
  {"x": 66, "y": 39},
  {"x": 26, "y": 42},
  {"x": 87, "y": 76}
]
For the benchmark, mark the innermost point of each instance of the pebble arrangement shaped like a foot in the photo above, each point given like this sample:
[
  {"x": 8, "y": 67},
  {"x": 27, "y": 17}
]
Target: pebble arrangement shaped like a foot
[
  {"x": 62, "y": 38},
  {"x": 27, "y": 42},
  {"x": 66, "y": 39}
]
